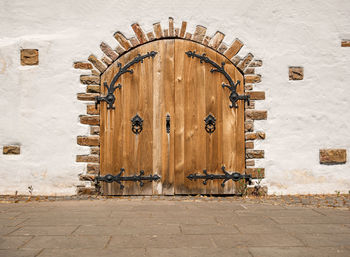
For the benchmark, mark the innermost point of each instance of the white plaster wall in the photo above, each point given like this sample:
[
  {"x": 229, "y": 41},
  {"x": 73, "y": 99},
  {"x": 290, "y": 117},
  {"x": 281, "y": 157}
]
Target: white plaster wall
[{"x": 40, "y": 112}]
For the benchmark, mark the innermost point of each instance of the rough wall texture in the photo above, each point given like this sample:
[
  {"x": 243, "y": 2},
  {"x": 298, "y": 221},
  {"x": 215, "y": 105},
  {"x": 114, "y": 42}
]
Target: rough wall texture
[{"x": 40, "y": 110}]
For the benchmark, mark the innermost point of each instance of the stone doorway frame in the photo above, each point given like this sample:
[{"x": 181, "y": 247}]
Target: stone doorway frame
[{"x": 98, "y": 66}]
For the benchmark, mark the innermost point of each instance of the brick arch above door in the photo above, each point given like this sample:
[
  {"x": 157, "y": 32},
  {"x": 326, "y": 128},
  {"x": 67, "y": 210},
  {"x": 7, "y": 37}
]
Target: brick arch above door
[{"x": 97, "y": 66}]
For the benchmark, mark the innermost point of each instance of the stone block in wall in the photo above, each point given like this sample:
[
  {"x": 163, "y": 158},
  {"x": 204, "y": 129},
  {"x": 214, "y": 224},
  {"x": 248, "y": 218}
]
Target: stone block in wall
[
  {"x": 11, "y": 149},
  {"x": 95, "y": 150},
  {"x": 88, "y": 140},
  {"x": 87, "y": 96},
  {"x": 87, "y": 158},
  {"x": 256, "y": 95},
  {"x": 254, "y": 136},
  {"x": 29, "y": 56},
  {"x": 86, "y": 191},
  {"x": 256, "y": 115},
  {"x": 345, "y": 43},
  {"x": 252, "y": 78},
  {"x": 93, "y": 89},
  {"x": 257, "y": 191},
  {"x": 87, "y": 177},
  {"x": 93, "y": 168},
  {"x": 89, "y": 80},
  {"x": 296, "y": 73},
  {"x": 249, "y": 145},
  {"x": 90, "y": 119},
  {"x": 254, "y": 154},
  {"x": 249, "y": 162},
  {"x": 83, "y": 65},
  {"x": 332, "y": 156},
  {"x": 248, "y": 126},
  {"x": 94, "y": 130},
  {"x": 90, "y": 109},
  {"x": 256, "y": 173}
]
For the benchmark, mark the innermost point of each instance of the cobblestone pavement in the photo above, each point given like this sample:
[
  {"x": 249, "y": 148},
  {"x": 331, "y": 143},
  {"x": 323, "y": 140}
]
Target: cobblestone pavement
[{"x": 175, "y": 226}]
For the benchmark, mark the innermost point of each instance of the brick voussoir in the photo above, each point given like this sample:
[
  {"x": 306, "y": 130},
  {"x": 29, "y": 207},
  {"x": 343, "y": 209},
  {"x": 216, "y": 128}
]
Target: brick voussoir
[
  {"x": 252, "y": 78},
  {"x": 90, "y": 79}
]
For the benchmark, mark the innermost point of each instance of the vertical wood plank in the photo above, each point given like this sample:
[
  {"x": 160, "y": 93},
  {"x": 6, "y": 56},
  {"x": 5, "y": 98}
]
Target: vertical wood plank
[{"x": 198, "y": 92}]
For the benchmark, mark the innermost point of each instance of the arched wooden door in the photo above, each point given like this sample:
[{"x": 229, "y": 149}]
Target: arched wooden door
[{"x": 172, "y": 120}]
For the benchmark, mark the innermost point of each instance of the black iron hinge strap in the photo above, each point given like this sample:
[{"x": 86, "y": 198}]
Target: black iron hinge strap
[
  {"x": 110, "y": 98},
  {"x": 119, "y": 178},
  {"x": 234, "y": 97},
  {"x": 234, "y": 176}
]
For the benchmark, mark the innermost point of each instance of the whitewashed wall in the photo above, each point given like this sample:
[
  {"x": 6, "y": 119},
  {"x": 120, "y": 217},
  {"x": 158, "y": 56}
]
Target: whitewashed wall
[{"x": 40, "y": 112}]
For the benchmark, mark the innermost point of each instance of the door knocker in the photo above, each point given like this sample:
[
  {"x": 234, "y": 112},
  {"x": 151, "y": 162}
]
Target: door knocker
[
  {"x": 136, "y": 124},
  {"x": 210, "y": 122}
]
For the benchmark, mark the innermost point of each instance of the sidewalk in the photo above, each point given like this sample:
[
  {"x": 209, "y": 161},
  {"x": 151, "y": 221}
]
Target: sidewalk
[{"x": 183, "y": 226}]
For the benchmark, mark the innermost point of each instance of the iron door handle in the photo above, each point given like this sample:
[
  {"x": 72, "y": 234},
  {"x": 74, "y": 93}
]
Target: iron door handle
[{"x": 167, "y": 125}]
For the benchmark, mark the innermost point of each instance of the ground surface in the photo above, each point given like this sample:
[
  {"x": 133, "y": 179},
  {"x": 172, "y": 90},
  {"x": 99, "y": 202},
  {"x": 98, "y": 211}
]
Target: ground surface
[{"x": 177, "y": 226}]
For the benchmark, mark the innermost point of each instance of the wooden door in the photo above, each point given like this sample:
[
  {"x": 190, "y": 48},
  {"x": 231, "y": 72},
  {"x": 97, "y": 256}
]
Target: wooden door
[
  {"x": 173, "y": 85},
  {"x": 199, "y": 93},
  {"x": 143, "y": 92}
]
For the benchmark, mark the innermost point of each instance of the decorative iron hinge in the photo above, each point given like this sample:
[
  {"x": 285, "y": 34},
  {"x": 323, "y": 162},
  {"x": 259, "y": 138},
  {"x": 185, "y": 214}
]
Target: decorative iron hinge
[
  {"x": 235, "y": 176},
  {"x": 110, "y": 98},
  {"x": 234, "y": 97},
  {"x": 119, "y": 178}
]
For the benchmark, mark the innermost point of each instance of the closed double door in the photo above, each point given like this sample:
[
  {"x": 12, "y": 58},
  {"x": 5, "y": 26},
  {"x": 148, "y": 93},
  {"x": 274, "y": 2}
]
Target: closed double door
[{"x": 172, "y": 121}]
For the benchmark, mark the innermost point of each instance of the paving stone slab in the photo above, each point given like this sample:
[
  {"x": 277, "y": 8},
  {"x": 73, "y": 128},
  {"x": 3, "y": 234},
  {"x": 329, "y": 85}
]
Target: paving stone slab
[
  {"x": 9, "y": 214},
  {"x": 298, "y": 252},
  {"x": 249, "y": 220},
  {"x": 280, "y": 213},
  {"x": 245, "y": 240},
  {"x": 321, "y": 240},
  {"x": 316, "y": 228},
  {"x": 116, "y": 252},
  {"x": 6, "y": 230},
  {"x": 43, "y": 231},
  {"x": 66, "y": 221},
  {"x": 195, "y": 229},
  {"x": 312, "y": 220},
  {"x": 197, "y": 252},
  {"x": 146, "y": 229},
  {"x": 139, "y": 221},
  {"x": 161, "y": 241},
  {"x": 13, "y": 242},
  {"x": 19, "y": 253},
  {"x": 67, "y": 242},
  {"x": 260, "y": 228},
  {"x": 11, "y": 221}
]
